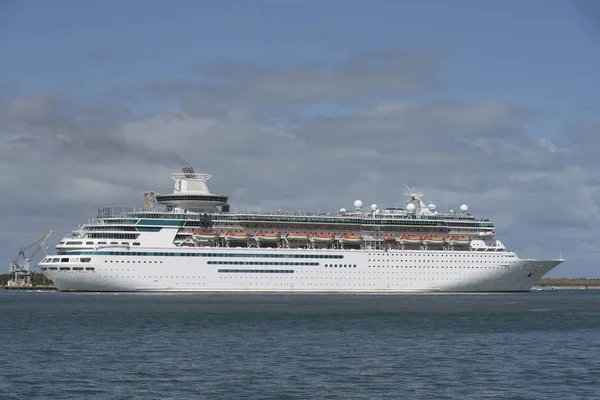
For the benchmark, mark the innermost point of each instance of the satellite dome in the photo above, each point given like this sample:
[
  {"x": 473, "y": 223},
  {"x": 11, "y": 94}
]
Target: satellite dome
[
  {"x": 410, "y": 207},
  {"x": 373, "y": 207},
  {"x": 431, "y": 207},
  {"x": 342, "y": 210},
  {"x": 358, "y": 204},
  {"x": 464, "y": 208}
]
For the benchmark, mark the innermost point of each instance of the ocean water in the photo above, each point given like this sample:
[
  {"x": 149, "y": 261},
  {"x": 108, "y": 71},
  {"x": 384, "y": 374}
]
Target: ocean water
[{"x": 227, "y": 346}]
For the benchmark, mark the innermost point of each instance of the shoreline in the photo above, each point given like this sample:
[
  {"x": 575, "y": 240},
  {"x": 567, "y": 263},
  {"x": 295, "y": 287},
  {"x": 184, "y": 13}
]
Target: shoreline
[{"x": 543, "y": 284}]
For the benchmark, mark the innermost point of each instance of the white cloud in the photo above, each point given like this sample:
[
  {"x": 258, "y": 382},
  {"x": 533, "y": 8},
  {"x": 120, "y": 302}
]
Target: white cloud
[{"x": 62, "y": 161}]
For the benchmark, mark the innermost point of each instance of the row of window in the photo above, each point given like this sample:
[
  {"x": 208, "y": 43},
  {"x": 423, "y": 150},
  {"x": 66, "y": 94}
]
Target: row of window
[
  {"x": 228, "y": 255},
  {"x": 111, "y": 228},
  {"x": 193, "y": 197},
  {"x": 168, "y": 219},
  {"x": 408, "y": 220},
  {"x": 104, "y": 235},
  {"x": 260, "y": 263},
  {"x": 446, "y": 254},
  {"x": 66, "y": 260},
  {"x": 67, "y": 268},
  {"x": 340, "y": 265},
  {"x": 99, "y": 243},
  {"x": 259, "y": 271}
]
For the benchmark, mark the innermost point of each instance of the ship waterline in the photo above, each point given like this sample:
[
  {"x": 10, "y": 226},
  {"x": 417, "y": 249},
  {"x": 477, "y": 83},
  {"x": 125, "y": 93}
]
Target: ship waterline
[{"x": 206, "y": 248}]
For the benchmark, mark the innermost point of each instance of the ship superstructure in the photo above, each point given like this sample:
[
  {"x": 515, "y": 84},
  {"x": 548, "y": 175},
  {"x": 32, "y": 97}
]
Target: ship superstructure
[{"x": 190, "y": 240}]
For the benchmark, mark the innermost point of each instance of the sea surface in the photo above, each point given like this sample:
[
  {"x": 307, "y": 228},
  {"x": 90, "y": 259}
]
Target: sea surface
[{"x": 539, "y": 345}]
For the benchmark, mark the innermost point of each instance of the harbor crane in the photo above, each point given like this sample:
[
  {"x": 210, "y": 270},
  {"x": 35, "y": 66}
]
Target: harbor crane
[{"x": 20, "y": 265}]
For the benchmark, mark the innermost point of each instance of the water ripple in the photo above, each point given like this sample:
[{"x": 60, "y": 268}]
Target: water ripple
[{"x": 525, "y": 346}]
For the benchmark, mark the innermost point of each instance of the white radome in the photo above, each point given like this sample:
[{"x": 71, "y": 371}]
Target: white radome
[
  {"x": 464, "y": 208},
  {"x": 358, "y": 204},
  {"x": 373, "y": 207},
  {"x": 410, "y": 207}
]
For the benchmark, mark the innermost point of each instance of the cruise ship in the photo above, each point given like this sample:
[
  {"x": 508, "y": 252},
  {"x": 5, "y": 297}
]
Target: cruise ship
[{"x": 191, "y": 241}]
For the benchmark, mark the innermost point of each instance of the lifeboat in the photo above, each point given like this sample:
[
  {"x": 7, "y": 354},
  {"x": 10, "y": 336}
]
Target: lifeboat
[
  {"x": 350, "y": 239},
  {"x": 267, "y": 237},
  {"x": 410, "y": 239},
  {"x": 459, "y": 241},
  {"x": 297, "y": 236},
  {"x": 389, "y": 239},
  {"x": 237, "y": 236},
  {"x": 204, "y": 234},
  {"x": 322, "y": 238},
  {"x": 434, "y": 240}
]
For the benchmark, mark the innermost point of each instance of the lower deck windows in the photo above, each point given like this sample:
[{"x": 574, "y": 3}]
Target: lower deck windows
[
  {"x": 260, "y": 263},
  {"x": 258, "y": 271}
]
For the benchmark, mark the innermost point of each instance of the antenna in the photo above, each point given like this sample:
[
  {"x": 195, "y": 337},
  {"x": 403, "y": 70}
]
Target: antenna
[
  {"x": 411, "y": 194},
  {"x": 188, "y": 172}
]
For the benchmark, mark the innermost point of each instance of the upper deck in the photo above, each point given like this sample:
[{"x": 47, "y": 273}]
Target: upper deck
[
  {"x": 131, "y": 216},
  {"x": 216, "y": 209}
]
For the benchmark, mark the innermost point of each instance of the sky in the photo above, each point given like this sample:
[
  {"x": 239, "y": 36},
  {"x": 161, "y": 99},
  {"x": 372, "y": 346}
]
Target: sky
[{"x": 306, "y": 105}]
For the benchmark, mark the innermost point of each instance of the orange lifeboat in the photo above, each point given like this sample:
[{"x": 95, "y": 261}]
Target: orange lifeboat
[
  {"x": 410, "y": 239},
  {"x": 267, "y": 237},
  {"x": 350, "y": 239},
  {"x": 297, "y": 236},
  {"x": 434, "y": 240},
  {"x": 389, "y": 239},
  {"x": 237, "y": 236},
  {"x": 459, "y": 241},
  {"x": 322, "y": 238},
  {"x": 205, "y": 234}
]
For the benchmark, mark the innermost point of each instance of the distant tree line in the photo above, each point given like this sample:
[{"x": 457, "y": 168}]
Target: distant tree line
[{"x": 568, "y": 282}]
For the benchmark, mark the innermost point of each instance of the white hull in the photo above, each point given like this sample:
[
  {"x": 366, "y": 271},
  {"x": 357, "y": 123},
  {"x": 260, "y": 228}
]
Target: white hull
[
  {"x": 297, "y": 238},
  {"x": 268, "y": 239},
  {"x": 434, "y": 242},
  {"x": 237, "y": 238},
  {"x": 205, "y": 237},
  {"x": 287, "y": 270},
  {"x": 410, "y": 241},
  {"x": 321, "y": 240},
  {"x": 350, "y": 241}
]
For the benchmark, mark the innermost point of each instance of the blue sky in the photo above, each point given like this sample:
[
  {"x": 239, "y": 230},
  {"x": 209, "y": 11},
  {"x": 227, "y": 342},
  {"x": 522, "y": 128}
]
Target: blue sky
[
  {"x": 542, "y": 53},
  {"x": 535, "y": 61}
]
